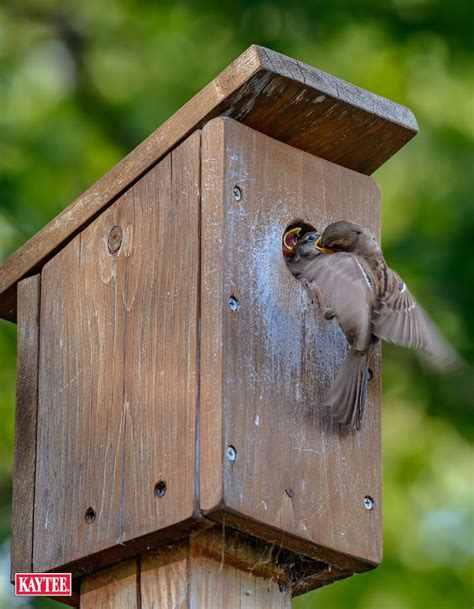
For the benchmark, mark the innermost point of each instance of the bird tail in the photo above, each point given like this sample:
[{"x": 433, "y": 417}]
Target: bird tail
[{"x": 346, "y": 396}]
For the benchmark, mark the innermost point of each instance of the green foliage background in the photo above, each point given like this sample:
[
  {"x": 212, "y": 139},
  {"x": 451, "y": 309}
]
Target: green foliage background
[{"x": 81, "y": 83}]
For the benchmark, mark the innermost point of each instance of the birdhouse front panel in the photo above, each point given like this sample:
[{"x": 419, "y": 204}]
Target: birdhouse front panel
[
  {"x": 118, "y": 380},
  {"x": 272, "y": 459}
]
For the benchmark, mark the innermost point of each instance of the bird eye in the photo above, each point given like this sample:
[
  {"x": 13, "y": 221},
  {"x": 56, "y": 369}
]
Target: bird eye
[{"x": 311, "y": 238}]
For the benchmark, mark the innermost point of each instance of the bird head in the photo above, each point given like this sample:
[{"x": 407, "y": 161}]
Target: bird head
[
  {"x": 289, "y": 241},
  {"x": 344, "y": 236},
  {"x": 305, "y": 246}
]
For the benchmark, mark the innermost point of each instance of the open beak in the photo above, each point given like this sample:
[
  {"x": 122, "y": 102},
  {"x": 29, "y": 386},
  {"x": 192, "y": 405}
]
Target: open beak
[
  {"x": 323, "y": 250},
  {"x": 289, "y": 241}
]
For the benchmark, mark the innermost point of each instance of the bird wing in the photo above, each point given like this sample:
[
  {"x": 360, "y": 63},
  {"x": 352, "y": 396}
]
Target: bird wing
[
  {"x": 399, "y": 319},
  {"x": 347, "y": 290}
]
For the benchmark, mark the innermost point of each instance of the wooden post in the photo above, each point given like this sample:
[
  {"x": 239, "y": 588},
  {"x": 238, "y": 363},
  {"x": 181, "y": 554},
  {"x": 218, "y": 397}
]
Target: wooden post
[
  {"x": 212, "y": 570},
  {"x": 169, "y": 422}
]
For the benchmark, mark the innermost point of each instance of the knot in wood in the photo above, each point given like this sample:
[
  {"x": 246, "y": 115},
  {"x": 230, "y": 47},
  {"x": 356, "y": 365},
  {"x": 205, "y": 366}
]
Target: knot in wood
[{"x": 114, "y": 240}]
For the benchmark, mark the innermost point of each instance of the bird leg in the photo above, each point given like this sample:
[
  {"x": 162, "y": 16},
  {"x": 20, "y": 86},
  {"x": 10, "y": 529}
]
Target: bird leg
[{"x": 318, "y": 298}]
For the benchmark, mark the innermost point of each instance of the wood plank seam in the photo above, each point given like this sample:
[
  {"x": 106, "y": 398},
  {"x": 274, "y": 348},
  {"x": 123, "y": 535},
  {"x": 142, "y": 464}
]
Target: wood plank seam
[{"x": 139, "y": 582}]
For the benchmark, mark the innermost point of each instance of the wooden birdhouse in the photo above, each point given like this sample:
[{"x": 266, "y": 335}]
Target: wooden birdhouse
[{"x": 169, "y": 433}]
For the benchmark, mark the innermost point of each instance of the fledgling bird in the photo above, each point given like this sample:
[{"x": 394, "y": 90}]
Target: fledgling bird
[{"x": 370, "y": 302}]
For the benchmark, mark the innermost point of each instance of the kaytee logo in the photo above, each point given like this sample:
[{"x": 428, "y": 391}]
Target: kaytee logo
[{"x": 43, "y": 584}]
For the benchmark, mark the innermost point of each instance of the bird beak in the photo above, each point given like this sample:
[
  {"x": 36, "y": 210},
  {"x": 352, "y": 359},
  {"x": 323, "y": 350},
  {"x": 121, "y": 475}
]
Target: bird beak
[
  {"x": 289, "y": 241},
  {"x": 323, "y": 250}
]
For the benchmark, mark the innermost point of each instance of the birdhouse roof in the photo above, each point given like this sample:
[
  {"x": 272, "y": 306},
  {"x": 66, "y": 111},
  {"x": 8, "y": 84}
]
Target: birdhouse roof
[{"x": 274, "y": 94}]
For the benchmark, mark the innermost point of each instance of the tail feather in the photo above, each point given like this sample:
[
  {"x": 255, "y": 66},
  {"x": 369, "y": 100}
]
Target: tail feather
[{"x": 346, "y": 396}]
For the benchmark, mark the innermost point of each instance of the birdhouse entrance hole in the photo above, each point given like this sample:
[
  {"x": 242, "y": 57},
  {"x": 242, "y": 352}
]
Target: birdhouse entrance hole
[{"x": 305, "y": 227}]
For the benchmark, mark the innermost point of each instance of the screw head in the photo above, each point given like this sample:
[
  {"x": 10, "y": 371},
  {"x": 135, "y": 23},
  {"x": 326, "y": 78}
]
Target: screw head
[
  {"x": 89, "y": 515},
  {"x": 231, "y": 453},
  {"x": 160, "y": 488},
  {"x": 237, "y": 193},
  {"x": 234, "y": 304},
  {"x": 114, "y": 240},
  {"x": 369, "y": 503}
]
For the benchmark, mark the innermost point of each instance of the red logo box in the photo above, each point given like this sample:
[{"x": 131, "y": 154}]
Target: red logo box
[{"x": 43, "y": 584}]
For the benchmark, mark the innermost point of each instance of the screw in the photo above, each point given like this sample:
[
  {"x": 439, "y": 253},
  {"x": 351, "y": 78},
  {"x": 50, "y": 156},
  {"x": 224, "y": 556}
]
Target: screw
[
  {"x": 89, "y": 515},
  {"x": 237, "y": 193},
  {"x": 290, "y": 492},
  {"x": 369, "y": 503},
  {"x": 231, "y": 453},
  {"x": 160, "y": 488},
  {"x": 234, "y": 304},
  {"x": 114, "y": 240}
]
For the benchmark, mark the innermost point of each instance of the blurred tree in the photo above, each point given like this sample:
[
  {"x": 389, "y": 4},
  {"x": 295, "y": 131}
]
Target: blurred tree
[{"x": 81, "y": 83}]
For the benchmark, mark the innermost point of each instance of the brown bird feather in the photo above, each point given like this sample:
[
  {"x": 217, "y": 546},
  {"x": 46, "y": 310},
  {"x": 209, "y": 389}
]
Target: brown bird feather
[{"x": 370, "y": 302}]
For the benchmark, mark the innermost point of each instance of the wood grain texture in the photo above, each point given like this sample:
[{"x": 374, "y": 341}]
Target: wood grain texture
[
  {"x": 164, "y": 578},
  {"x": 115, "y": 588},
  {"x": 212, "y": 570},
  {"x": 118, "y": 373},
  {"x": 24, "y": 461},
  {"x": 296, "y": 479},
  {"x": 277, "y": 95},
  {"x": 214, "y": 585}
]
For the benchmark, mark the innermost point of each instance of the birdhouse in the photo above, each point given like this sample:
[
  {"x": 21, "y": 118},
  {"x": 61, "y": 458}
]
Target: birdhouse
[{"x": 170, "y": 367}]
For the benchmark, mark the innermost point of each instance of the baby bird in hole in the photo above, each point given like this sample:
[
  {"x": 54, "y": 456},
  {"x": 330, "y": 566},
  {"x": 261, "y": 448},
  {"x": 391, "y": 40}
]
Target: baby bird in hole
[{"x": 345, "y": 271}]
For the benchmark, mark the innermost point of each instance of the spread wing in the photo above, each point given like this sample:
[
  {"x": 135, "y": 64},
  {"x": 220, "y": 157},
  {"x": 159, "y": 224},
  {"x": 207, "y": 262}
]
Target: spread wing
[
  {"x": 347, "y": 290},
  {"x": 399, "y": 319}
]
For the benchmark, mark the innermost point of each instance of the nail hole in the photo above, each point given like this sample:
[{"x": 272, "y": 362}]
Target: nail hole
[
  {"x": 369, "y": 503},
  {"x": 290, "y": 492},
  {"x": 89, "y": 515},
  {"x": 234, "y": 304},
  {"x": 114, "y": 240},
  {"x": 231, "y": 453},
  {"x": 160, "y": 488},
  {"x": 237, "y": 192}
]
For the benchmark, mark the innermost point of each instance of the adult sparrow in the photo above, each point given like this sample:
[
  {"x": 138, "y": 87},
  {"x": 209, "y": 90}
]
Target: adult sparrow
[{"x": 370, "y": 302}]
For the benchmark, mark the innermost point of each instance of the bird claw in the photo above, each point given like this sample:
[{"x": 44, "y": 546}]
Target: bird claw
[
  {"x": 329, "y": 313},
  {"x": 317, "y": 299}
]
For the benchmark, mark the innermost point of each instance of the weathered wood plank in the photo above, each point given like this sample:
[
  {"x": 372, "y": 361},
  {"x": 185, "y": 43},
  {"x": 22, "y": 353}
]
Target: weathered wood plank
[
  {"x": 118, "y": 374},
  {"x": 277, "y": 95},
  {"x": 266, "y": 366},
  {"x": 114, "y": 588},
  {"x": 81, "y": 420},
  {"x": 164, "y": 578},
  {"x": 160, "y": 394},
  {"x": 212, "y": 279},
  {"x": 24, "y": 462},
  {"x": 215, "y": 585}
]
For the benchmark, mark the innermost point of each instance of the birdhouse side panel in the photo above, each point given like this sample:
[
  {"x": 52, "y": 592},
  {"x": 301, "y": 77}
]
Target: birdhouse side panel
[
  {"x": 118, "y": 370},
  {"x": 24, "y": 461},
  {"x": 271, "y": 454}
]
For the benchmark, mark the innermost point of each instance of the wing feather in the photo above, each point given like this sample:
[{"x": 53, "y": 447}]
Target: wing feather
[
  {"x": 346, "y": 289},
  {"x": 399, "y": 319}
]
